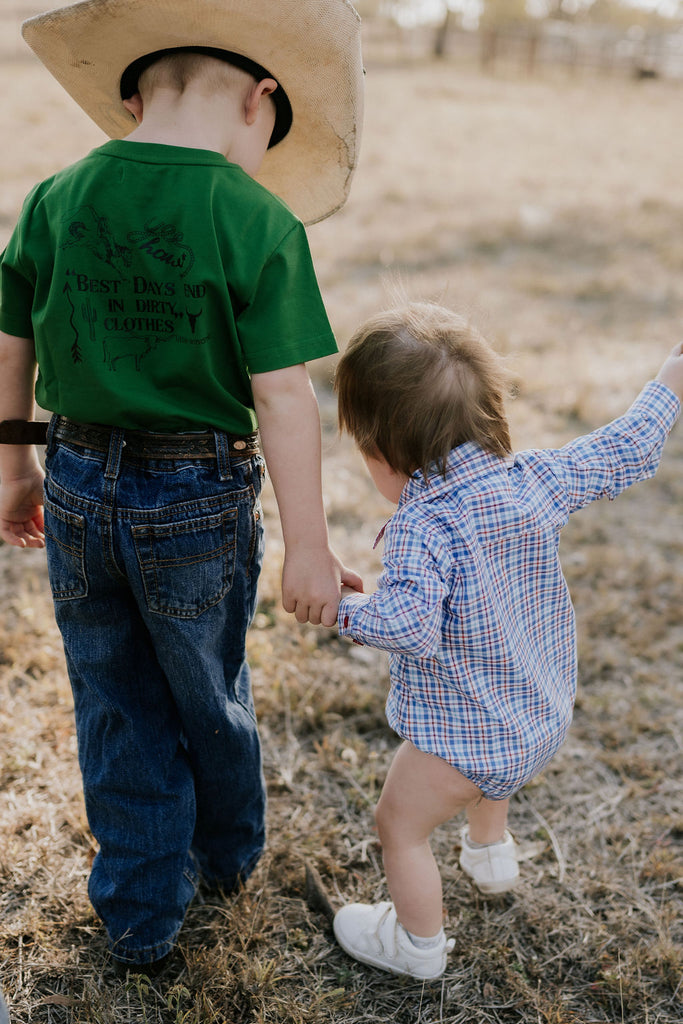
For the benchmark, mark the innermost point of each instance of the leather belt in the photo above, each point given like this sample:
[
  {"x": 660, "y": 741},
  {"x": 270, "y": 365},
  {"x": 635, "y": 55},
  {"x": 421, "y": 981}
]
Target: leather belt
[
  {"x": 143, "y": 444},
  {"x": 140, "y": 444}
]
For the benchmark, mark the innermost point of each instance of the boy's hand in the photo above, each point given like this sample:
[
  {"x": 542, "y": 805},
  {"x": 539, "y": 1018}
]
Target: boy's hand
[
  {"x": 671, "y": 372},
  {"x": 21, "y": 511},
  {"x": 311, "y": 585},
  {"x": 21, "y": 475}
]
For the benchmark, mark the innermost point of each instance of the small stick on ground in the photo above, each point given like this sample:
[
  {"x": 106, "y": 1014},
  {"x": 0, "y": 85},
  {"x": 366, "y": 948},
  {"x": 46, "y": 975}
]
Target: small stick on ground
[{"x": 316, "y": 895}]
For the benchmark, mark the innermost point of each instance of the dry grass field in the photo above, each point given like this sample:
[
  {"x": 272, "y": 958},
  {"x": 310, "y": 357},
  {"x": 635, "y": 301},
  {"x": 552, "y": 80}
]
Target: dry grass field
[{"x": 551, "y": 211}]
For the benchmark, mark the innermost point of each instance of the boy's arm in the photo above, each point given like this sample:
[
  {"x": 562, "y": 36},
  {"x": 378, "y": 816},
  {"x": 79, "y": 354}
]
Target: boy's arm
[
  {"x": 289, "y": 424},
  {"x": 21, "y": 476}
]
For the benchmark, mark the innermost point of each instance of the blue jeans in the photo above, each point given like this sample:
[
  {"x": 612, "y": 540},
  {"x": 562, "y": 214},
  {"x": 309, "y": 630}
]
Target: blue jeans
[{"x": 153, "y": 567}]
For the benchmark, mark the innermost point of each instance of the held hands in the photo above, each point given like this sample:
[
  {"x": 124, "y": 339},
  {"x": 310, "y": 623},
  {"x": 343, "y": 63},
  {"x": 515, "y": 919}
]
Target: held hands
[
  {"x": 671, "y": 372},
  {"x": 311, "y": 585},
  {"x": 21, "y": 511}
]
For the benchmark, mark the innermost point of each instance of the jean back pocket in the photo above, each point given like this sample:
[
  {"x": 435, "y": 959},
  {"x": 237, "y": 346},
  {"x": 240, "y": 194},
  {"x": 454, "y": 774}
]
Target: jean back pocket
[{"x": 187, "y": 567}]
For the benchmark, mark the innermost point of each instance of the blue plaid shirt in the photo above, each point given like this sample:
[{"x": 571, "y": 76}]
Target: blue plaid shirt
[{"x": 472, "y": 604}]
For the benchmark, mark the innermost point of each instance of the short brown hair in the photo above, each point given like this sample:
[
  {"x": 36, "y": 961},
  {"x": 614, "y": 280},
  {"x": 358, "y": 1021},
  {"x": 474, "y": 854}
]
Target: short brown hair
[
  {"x": 417, "y": 381},
  {"x": 177, "y": 69}
]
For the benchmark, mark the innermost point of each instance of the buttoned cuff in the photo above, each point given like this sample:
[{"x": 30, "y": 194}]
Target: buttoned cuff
[{"x": 348, "y": 607}]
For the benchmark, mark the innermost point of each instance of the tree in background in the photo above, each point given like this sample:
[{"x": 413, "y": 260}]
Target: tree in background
[
  {"x": 618, "y": 12},
  {"x": 625, "y": 14},
  {"x": 502, "y": 12}
]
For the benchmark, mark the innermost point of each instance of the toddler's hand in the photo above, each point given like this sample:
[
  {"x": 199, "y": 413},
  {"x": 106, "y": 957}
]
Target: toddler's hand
[
  {"x": 671, "y": 372},
  {"x": 351, "y": 582}
]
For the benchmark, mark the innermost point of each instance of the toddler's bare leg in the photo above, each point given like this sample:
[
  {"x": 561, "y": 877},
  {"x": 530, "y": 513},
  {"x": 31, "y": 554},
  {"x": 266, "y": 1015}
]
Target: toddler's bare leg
[
  {"x": 487, "y": 819},
  {"x": 421, "y": 791}
]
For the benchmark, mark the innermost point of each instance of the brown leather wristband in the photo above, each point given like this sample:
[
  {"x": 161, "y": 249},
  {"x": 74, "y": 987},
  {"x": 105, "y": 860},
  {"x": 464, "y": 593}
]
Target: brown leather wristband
[{"x": 23, "y": 431}]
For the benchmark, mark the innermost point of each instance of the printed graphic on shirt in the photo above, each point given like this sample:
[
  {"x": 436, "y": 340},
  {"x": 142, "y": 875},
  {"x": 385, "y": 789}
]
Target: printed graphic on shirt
[{"x": 128, "y": 298}]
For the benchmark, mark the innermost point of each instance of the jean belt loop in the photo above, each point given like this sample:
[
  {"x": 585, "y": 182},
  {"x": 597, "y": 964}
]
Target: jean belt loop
[
  {"x": 222, "y": 455},
  {"x": 51, "y": 430},
  {"x": 116, "y": 446}
]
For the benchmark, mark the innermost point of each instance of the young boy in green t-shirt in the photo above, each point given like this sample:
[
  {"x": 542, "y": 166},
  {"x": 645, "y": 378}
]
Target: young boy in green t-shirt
[{"x": 169, "y": 303}]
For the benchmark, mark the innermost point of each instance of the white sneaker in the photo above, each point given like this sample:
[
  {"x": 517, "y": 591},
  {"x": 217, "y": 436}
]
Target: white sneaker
[
  {"x": 493, "y": 869},
  {"x": 373, "y": 935}
]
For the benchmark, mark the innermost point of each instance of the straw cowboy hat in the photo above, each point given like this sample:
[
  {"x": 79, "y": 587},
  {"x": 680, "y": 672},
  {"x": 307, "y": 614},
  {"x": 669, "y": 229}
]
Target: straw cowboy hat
[{"x": 310, "y": 47}]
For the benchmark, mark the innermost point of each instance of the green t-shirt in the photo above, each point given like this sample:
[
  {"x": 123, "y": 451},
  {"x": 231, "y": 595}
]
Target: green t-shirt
[{"x": 154, "y": 280}]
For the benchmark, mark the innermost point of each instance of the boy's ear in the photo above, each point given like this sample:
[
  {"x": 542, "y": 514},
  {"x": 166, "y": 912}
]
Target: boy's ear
[
  {"x": 134, "y": 106},
  {"x": 266, "y": 87}
]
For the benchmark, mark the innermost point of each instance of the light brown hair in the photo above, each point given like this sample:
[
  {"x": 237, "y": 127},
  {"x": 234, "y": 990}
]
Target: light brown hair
[{"x": 417, "y": 381}]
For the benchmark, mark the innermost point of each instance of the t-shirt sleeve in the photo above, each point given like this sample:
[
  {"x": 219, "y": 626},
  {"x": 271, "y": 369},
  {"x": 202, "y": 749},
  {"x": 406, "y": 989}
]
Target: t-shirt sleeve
[
  {"x": 285, "y": 322},
  {"x": 16, "y": 289}
]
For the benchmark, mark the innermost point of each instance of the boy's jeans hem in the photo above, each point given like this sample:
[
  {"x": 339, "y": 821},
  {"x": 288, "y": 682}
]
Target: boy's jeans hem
[{"x": 138, "y": 957}]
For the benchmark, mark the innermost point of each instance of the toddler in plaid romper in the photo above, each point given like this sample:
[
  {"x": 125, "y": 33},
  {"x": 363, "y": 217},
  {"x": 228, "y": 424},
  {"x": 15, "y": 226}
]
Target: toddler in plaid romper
[{"x": 471, "y": 605}]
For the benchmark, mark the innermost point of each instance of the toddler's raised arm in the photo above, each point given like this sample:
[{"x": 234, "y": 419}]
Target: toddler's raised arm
[{"x": 671, "y": 372}]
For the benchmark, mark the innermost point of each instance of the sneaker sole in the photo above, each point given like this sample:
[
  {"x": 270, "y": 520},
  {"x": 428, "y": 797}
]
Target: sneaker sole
[{"x": 492, "y": 888}]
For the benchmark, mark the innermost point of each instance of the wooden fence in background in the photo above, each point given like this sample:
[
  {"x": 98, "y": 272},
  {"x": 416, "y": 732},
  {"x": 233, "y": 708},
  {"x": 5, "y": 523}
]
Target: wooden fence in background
[{"x": 533, "y": 46}]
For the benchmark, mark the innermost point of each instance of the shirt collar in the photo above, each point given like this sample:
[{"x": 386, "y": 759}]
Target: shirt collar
[{"x": 465, "y": 464}]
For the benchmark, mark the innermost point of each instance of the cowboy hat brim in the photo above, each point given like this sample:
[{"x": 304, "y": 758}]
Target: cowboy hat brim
[{"x": 310, "y": 47}]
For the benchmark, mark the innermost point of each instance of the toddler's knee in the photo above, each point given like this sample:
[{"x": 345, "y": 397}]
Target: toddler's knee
[{"x": 384, "y": 819}]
